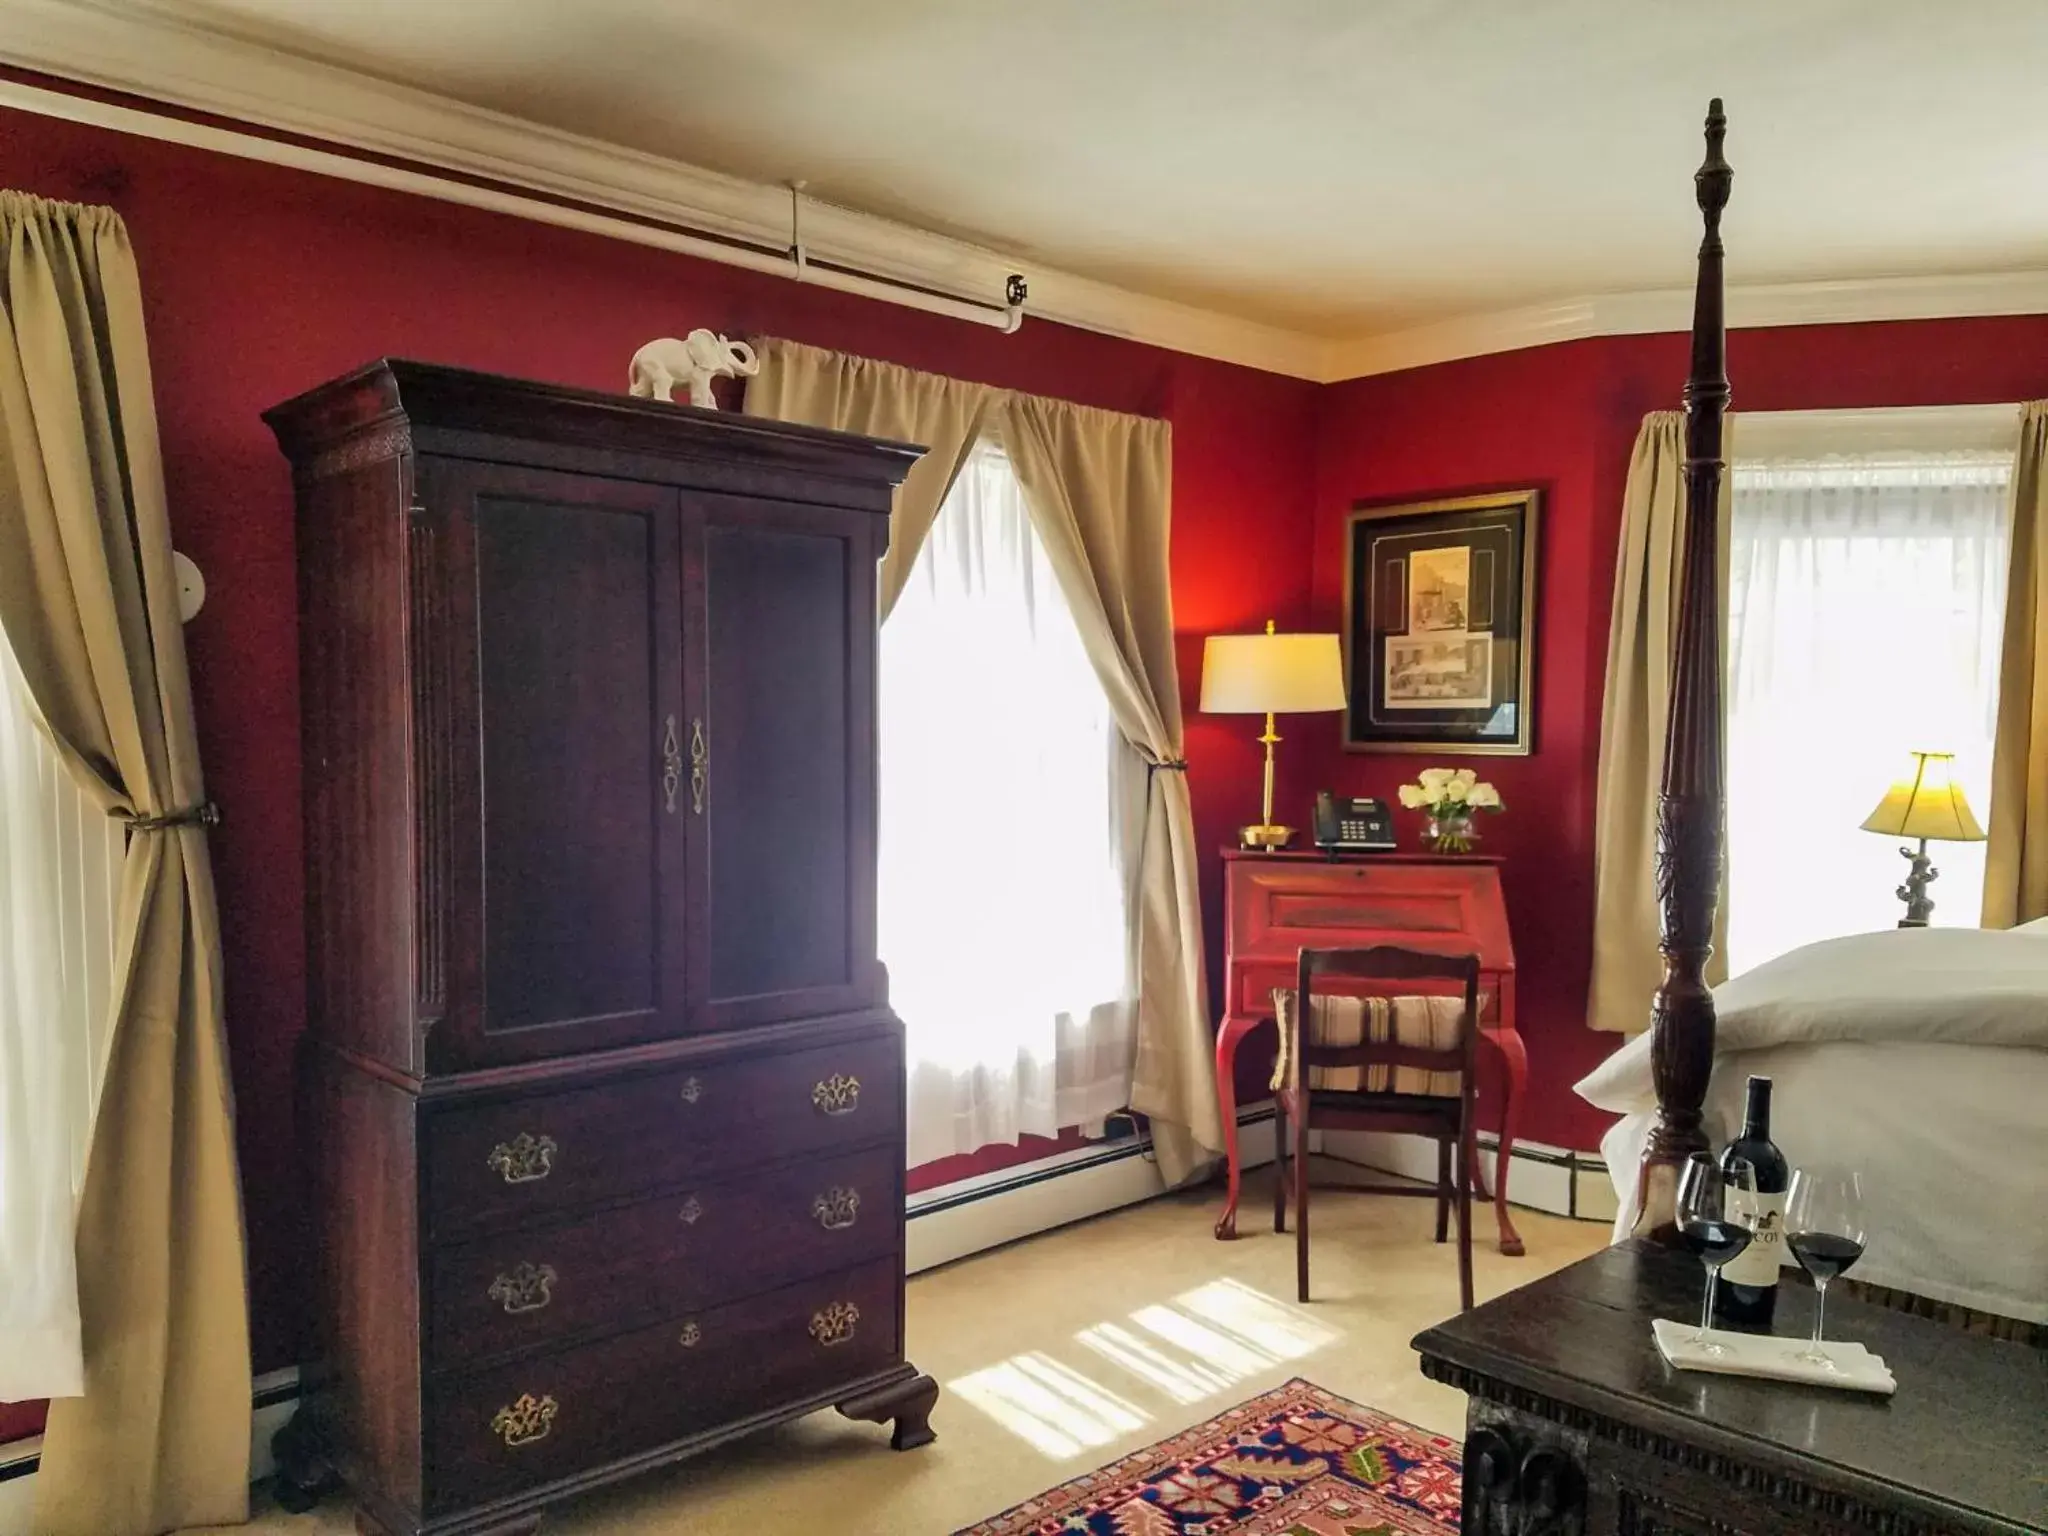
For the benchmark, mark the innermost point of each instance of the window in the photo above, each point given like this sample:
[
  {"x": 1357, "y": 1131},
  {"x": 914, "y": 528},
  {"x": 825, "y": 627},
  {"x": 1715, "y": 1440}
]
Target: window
[
  {"x": 1005, "y": 798},
  {"x": 60, "y": 880},
  {"x": 1866, "y": 593}
]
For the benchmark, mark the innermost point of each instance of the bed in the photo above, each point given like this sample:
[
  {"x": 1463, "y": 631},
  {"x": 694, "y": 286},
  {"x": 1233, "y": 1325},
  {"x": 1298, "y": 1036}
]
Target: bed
[
  {"x": 1919, "y": 1056},
  {"x": 1945, "y": 1123}
]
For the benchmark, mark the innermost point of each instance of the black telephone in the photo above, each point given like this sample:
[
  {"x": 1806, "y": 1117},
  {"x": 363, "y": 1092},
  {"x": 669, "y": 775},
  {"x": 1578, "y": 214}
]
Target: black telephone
[{"x": 1353, "y": 826}]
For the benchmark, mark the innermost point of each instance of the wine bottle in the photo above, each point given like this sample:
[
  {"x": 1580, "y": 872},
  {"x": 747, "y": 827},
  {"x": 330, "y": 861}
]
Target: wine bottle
[{"x": 1748, "y": 1293}]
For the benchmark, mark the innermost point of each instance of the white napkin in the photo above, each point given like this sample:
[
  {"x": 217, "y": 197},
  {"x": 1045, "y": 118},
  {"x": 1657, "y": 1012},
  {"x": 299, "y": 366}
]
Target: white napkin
[{"x": 1753, "y": 1354}]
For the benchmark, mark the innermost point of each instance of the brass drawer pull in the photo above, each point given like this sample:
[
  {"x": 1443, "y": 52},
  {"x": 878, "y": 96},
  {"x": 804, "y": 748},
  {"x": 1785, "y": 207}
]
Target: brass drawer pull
[
  {"x": 692, "y": 1209},
  {"x": 691, "y": 1091},
  {"x": 700, "y": 766},
  {"x": 837, "y": 1094},
  {"x": 691, "y": 1336},
  {"x": 525, "y": 1421},
  {"x": 525, "y": 1159},
  {"x": 835, "y": 1324},
  {"x": 837, "y": 1208},
  {"x": 528, "y": 1288},
  {"x": 671, "y": 764}
]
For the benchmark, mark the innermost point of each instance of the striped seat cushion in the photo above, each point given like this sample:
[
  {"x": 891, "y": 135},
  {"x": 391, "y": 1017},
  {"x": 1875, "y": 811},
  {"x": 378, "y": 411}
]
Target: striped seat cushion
[{"x": 1420, "y": 1023}]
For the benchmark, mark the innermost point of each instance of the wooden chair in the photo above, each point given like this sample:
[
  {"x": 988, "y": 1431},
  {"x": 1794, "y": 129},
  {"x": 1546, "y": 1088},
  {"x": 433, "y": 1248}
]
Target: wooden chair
[{"x": 1421, "y": 1085}]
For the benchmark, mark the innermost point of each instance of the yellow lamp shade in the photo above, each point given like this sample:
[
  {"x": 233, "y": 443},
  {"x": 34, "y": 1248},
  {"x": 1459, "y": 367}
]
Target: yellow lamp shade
[
  {"x": 1272, "y": 674},
  {"x": 1928, "y": 803}
]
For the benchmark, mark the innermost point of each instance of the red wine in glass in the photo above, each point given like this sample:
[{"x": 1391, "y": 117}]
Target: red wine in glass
[
  {"x": 1714, "y": 1242},
  {"x": 1824, "y": 1255},
  {"x": 1716, "y": 1208},
  {"x": 1825, "y": 1229}
]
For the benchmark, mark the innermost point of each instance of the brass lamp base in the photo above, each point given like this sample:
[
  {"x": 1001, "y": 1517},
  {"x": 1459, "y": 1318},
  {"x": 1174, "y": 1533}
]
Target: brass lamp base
[{"x": 1266, "y": 836}]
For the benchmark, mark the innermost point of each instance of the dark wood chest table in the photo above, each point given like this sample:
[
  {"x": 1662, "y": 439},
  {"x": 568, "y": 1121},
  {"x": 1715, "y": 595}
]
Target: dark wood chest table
[{"x": 1576, "y": 1424}]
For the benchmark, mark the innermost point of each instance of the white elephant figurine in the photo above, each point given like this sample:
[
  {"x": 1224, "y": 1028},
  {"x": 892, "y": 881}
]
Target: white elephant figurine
[{"x": 697, "y": 359}]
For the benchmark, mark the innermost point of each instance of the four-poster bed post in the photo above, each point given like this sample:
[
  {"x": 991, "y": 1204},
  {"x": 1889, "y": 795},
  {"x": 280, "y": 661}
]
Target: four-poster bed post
[
  {"x": 1574, "y": 1423},
  {"x": 1690, "y": 804}
]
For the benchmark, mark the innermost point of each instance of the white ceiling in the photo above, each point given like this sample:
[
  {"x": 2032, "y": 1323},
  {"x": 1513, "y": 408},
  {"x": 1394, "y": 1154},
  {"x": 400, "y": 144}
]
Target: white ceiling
[{"x": 1339, "y": 167}]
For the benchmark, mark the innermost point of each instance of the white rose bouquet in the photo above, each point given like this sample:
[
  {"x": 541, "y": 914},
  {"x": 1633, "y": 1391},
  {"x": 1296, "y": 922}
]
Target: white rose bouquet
[{"x": 1448, "y": 797}]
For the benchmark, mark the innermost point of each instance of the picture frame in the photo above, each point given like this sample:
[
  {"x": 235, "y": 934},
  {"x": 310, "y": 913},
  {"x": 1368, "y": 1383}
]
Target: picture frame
[{"x": 1440, "y": 625}]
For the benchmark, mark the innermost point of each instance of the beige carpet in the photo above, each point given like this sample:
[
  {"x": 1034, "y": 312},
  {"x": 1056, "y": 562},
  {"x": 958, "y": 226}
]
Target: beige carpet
[{"x": 1067, "y": 1350}]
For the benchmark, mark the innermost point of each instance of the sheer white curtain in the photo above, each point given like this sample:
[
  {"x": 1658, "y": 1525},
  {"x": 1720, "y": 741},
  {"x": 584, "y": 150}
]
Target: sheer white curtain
[
  {"x": 60, "y": 879},
  {"x": 1866, "y": 593},
  {"x": 1008, "y": 801}
]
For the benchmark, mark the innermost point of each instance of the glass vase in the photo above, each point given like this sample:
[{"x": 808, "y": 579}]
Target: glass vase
[{"x": 1451, "y": 833}]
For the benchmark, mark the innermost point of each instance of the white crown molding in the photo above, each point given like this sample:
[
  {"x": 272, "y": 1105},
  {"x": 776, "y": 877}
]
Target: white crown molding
[
  {"x": 1749, "y": 307},
  {"x": 145, "y": 49},
  {"x": 149, "y": 49}
]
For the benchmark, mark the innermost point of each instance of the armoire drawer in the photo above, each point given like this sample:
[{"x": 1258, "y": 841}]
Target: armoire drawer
[
  {"x": 542, "y": 1154},
  {"x": 727, "y": 1235},
  {"x": 515, "y": 1426}
]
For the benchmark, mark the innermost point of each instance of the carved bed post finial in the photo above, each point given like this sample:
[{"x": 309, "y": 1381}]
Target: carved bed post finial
[{"x": 1690, "y": 806}]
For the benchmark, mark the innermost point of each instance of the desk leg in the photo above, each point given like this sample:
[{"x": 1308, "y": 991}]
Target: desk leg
[
  {"x": 1515, "y": 1058},
  {"x": 1227, "y": 1040}
]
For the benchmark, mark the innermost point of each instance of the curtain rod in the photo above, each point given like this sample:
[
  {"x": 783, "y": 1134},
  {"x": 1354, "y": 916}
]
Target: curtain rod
[{"x": 795, "y": 263}]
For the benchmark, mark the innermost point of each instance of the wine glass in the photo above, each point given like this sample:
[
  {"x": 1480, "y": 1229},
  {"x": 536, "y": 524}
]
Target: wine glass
[
  {"x": 1825, "y": 1230},
  {"x": 1716, "y": 1214}
]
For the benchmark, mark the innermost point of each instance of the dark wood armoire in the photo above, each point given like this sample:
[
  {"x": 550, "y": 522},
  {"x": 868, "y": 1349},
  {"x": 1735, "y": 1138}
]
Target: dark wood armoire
[{"x": 604, "y": 1100}]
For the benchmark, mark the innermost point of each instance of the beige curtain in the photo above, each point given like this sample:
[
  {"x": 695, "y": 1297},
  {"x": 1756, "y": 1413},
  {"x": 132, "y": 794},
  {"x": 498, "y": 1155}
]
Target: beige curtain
[
  {"x": 1099, "y": 488},
  {"x": 2016, "y": 858},
  {"x": 1627, "y": 965},
  {"x": 160, "y": 1440},
  {"x": 858, "y": 394}
]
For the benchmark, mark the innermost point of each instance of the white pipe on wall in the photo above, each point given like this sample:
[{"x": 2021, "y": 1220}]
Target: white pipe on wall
[{"x": 326, "y": 162}]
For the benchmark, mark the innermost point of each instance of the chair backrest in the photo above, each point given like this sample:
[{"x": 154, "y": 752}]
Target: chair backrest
[{"x": 1391, "y": 963}]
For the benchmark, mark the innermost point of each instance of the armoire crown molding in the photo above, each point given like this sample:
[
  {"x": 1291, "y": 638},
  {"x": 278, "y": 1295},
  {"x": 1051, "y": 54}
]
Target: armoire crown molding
[{"x": 146, "y": 49}]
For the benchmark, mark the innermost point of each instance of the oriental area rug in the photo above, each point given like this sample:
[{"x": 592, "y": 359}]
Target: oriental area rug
[{"x": 1298, "y": 1461}]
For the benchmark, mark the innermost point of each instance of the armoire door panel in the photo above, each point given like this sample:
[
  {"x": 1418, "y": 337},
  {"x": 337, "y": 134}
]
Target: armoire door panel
[
  {"x": 788, "y": 598},
  {"x": 572, "y": 762}
]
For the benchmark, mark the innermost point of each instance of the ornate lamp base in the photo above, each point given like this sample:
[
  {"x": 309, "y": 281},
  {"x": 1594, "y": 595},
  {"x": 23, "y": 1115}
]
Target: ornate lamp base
[
  {"x": 1268, "y": 837},
  {"x": 1919, "y": 907}
]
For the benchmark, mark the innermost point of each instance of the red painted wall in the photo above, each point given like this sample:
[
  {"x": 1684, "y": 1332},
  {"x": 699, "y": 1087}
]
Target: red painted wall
[
  {"x": 259, "y": 282},
  {"x": 1564, "y": 418}
]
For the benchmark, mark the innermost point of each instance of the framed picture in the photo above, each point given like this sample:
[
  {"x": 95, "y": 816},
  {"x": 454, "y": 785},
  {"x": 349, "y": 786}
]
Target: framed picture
[{"x": 1439, "y": 615}]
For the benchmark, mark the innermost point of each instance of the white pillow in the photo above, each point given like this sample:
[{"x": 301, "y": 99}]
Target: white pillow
[
  {"x": 2038, "y": 925},
  {"x": 1962, "y": 986},
  {"x": 1958, "y": 986}
]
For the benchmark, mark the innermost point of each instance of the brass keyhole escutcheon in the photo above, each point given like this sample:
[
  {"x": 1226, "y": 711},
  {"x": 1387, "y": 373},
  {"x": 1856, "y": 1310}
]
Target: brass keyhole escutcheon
[
  {"x": 671, "y": 764},
  {"x": 700, "y": 766}
]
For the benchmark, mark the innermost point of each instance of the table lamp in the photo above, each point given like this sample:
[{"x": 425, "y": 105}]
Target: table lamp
[
  {"x": 1926, "y": 803},
  {"x": 1271, "y": 674}
]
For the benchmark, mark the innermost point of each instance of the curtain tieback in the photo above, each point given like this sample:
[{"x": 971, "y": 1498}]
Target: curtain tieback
[
  {"x": 1169, "y": 765},
  {"x": 204, "y": 814}
]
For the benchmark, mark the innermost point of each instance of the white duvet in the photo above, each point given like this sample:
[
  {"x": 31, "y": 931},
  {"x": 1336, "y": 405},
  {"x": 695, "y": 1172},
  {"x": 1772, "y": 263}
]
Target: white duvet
[{"x": 1918, "y": 1056}]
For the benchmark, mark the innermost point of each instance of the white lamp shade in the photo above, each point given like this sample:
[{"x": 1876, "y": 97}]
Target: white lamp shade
[
  {"x": 1927, "y": 802},
  {"x": 1272, "y": 674}
]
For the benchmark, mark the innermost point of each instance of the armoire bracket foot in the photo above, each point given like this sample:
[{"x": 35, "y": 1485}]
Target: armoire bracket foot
[{"x": 909, "y": 1402}]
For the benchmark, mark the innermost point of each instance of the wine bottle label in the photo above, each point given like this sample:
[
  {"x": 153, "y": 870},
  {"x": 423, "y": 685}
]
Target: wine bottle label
[{"x": 1758, "y": 1263}]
